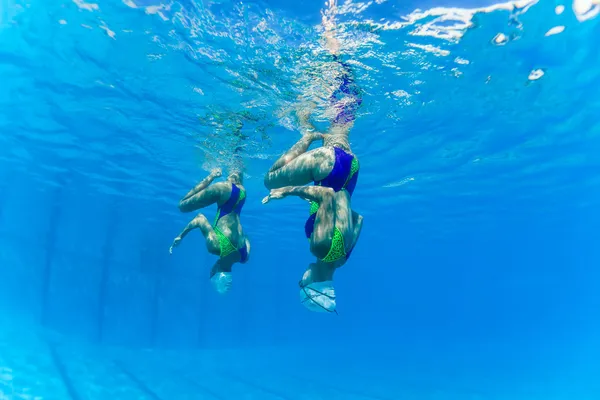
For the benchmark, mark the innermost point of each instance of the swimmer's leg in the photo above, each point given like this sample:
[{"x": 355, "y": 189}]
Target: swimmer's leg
[
  {"x": 215, "y": 173},
  {"x": 204, "y": 198},
  {"x": 297, "y": 149},
  {"x": 303, "y": 112},
  {"x": 203, "y": 194},
  {"x": 322, "y": 236},
  {"x": 302, "y": 170},
  {"x": 200, "y": 222}
]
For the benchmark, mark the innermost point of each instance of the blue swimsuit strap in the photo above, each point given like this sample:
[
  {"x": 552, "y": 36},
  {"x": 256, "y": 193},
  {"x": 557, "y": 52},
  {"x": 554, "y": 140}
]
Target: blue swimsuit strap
[
  {"x": 340, "y": 173},
  {"x": 351, "y": 185},
  {"x": 230, "y": 204},
  {"x": 240, "y": 202}
]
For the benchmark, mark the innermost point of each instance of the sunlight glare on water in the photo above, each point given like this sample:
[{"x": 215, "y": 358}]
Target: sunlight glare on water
[{"x": 157, "y": 80}]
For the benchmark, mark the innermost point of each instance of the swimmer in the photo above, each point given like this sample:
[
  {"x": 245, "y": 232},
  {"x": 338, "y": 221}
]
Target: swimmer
[
  {"x": 332, "y": 228},
  {"x": 225, "y": 237}
]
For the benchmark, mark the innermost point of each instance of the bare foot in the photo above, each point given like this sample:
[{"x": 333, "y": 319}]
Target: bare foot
[
  {"x": 303, "y": 112},
  {"x": 176, "y": 242},
  {"x": 274, "y": 195}
]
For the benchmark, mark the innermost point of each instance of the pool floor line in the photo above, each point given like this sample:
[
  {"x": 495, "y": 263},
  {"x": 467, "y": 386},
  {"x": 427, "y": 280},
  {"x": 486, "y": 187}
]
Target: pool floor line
[
  {"x": 184, "y": 376},
  {"x": 255, "y": 386},
  {"x": 352, "y": 392},
  {"x": 50, "y": 245},
  {"x": 107, "y": 251},
  {"x": 62, "y": 371},
  {"x": 141, "y": 385},
  {"x": 154, "y": 312}
]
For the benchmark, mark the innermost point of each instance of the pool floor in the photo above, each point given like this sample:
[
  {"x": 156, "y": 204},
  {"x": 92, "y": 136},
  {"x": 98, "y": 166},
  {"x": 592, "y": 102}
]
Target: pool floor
[{"x": 39, "y": 365}]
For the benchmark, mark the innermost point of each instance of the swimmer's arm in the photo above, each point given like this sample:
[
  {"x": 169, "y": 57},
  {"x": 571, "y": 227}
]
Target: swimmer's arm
[{"x": 310, "y": 193}]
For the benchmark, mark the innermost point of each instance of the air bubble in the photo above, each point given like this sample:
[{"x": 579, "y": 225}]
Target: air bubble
[
  {"x": 500, "y": 39},
  {"x": 585, "y": 9},
  {"x": 536, "y": 74},
  {"x": 559, "y": 10},
  {"x": 556, "y": 30}
]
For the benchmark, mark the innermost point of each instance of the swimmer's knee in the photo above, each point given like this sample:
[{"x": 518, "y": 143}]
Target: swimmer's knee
[
  {"x": 184, "y": 207},
  {"x": 325, "y": 197},
  {"x": 327, "y": 193},
  {"x": 201, "y": 220}
]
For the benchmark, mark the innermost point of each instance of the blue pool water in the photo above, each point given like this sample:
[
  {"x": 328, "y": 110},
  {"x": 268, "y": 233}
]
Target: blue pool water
[{"x": 476, "y": 275}]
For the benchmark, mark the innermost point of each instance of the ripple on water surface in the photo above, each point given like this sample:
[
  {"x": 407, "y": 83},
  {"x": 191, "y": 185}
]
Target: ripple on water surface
[{"x": 136, "y": 99}]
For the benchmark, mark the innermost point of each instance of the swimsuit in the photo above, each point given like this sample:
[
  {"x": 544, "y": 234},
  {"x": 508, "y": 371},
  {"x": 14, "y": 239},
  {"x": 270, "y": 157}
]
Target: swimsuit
[
  {"x": 347, "y": 97},
  {"x": 233, "y": 204},
  {"x": 346, "y": 100},
  {"x": 343, "y": 176}
]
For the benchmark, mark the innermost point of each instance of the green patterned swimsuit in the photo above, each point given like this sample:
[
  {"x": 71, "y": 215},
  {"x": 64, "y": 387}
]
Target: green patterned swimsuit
[
  {"x": 233, "y": 204},
  {"x": 343, "y": 176}
]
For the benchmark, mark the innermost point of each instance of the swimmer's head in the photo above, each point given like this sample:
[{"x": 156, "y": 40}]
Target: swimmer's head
[
  {"x": 236, "y": 177},
  {"x": 222, "y": 281},
  {"x": 221, "y": 277},
  {"x": 318, "y": 296}
]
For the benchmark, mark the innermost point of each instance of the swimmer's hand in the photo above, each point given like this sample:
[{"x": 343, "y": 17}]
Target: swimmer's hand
[
  {"x": 274, "y": 195},
  {"x": 266, "y": 199},
  {"x": 176, "y": 242},
  {"x": 216, "y": 173}
]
